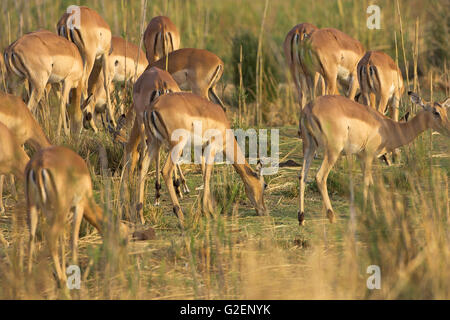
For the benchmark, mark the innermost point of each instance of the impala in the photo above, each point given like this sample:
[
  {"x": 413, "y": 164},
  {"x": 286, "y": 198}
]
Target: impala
[
  {"x": 93, "y": 37},
  {"x": 13, "y": 158},
  {"x": 337, "y": 124},
  {"x": 380, "y": 82},
  {"x": 123, "y": 61},
  {"x": 293, "y": 51},
  {"x": 57, "y": 183},
  {"x": 42, "y": 58},
  {"x": 175, "y": 111},
  {"x": 153, "y": 83},
  {"x": 15, "y": 115},
  {"x": 334, "y": 55},
  {"x": 160, "y": 38},
  {"x": 197, "y": 69}
]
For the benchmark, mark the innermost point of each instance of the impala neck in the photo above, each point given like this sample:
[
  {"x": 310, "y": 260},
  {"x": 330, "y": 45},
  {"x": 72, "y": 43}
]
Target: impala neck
[
  {"x": 241, "y": 165},
  {"x": 403, "y": 133}
]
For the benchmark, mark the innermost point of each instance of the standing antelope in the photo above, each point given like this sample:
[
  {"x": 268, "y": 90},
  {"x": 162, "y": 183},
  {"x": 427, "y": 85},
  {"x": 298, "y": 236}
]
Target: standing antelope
[
  {"x": 124, "y": 59},
  {"x": 58, "y": 183},
  {"x": 15, "y": 115},
  {"x": 334, "y": 55},
  {"x": 380, "y": 82},
  {"x": 160, "y": 38},
  {"x": 294, "y": 52},
  {"x": 92, "y": 35},
  {"x": 196, "y": 69},
  {"x": 337, "y": 124},
  {"x": 13, "y": 158},
  {"x": 42, "y": 58},
  {"x": 179, "y": 111}
]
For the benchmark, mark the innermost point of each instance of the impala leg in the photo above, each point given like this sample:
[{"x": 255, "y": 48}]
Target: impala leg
[
  {"x": 2, "y": 208},
  {"x": 177, "y": 183},
  {"x": 77, "y": 217},
  {"x": 32, "y": 213},
  {"x": 106, "y": 83},
  {"x": 308, "y": 155},
  {"x": 331, "y": 81},
  {"x": 36, "y": 95},
  {"x": 62, "y": 107},
  {"x": 366, "y": 168},
  {"x": 328, "y": 162},
  {"x": 353, "y": 86},
  {"x": 383, "y": 104},
  {"x": 149, "y": 156},
  {"x": 207, "y": 200},
  {"x": 158, "y": 180},
  {"x": 183, "y": 179},
  {"x": 13, "y": 186},
  {"x": 167, "y": 173},
  {"x": 132, "y": 148}
]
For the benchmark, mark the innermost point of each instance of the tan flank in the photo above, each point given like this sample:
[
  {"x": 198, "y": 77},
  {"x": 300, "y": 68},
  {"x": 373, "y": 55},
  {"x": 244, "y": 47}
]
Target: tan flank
[{"x": 194, "y": 69}]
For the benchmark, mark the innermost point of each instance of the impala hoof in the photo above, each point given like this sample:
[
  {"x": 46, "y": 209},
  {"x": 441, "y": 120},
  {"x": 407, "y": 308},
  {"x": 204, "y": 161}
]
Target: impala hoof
[
  {"x": 301, "y": 218},
  {"x": 331, "y": 216}
]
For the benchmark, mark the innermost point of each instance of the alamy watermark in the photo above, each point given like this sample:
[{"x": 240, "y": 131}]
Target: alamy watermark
[
  {"x": 73, "y": 277},
  {"x": 374, "y": 281},
  {"x": 374, "y": 20},
  {"x": 209, "y": 145}
]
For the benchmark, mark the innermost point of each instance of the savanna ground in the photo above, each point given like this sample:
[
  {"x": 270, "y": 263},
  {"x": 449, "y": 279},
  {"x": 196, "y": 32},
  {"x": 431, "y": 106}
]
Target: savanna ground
[{"x": 404, "y": 229}]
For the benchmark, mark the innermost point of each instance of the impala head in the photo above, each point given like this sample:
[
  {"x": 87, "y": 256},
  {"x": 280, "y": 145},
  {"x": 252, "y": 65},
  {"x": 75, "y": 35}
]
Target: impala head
[
  {"x": 438, "y": 110},
  {"x": 254, "y": 188}
]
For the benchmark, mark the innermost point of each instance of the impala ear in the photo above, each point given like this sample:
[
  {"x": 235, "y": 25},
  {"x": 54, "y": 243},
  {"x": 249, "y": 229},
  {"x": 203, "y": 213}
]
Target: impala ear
[
  {"x": 415, "y": 98},
  {"x": 446, "y": 103}
]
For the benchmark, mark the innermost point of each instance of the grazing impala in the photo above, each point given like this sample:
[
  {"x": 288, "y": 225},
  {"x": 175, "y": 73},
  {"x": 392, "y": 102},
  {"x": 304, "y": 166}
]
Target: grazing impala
[
  {"x": 197, "y": 69},
  {"x": 58, "y": 183},
  {"x": 380, "y": 82},
  {"x": 153, "y": 83},
  {"x": 93, "y": 37},
  {"x": 122, "y": 65},
  {"x": 337, "y": 124},
  {"x": 15, "y": 115},
  {"x": 179, "y": 111},
  {"x": 160, "y": 38},
  {"x": 294, "y": 52},
  {"x": 13, "y": 158},
  {"x": 334, "y": 55},
  {"x": 42, "y": 58}
]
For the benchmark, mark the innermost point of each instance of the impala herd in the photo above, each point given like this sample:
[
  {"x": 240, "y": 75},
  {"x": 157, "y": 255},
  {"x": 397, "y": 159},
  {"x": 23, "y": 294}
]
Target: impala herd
[{"x": 84, "y": 61}]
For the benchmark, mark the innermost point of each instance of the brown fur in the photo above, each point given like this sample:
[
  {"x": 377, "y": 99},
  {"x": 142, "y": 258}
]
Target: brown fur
[{"x": 160, "y": 38}]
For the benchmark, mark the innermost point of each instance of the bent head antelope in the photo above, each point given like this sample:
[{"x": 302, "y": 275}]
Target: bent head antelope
[
  {"x": 58, "y": 183},
  {"x": 177, "y": 111},
  {"x": 160, "y": 38},
  {"x": 335, "y": 55},
  {"x": 293, "y": 53},
  {"x": 194, "y": 69},
  {"x": 13, "y": 158},
  {"x": 380, "y": 82},
  {"x": 15, "y": 115},
  {"x": 92, "y": 35},
  {"x": 43, "y": 57},
  {"x": 123, "y": 61},
  {"x": 337, "y": 124}
]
